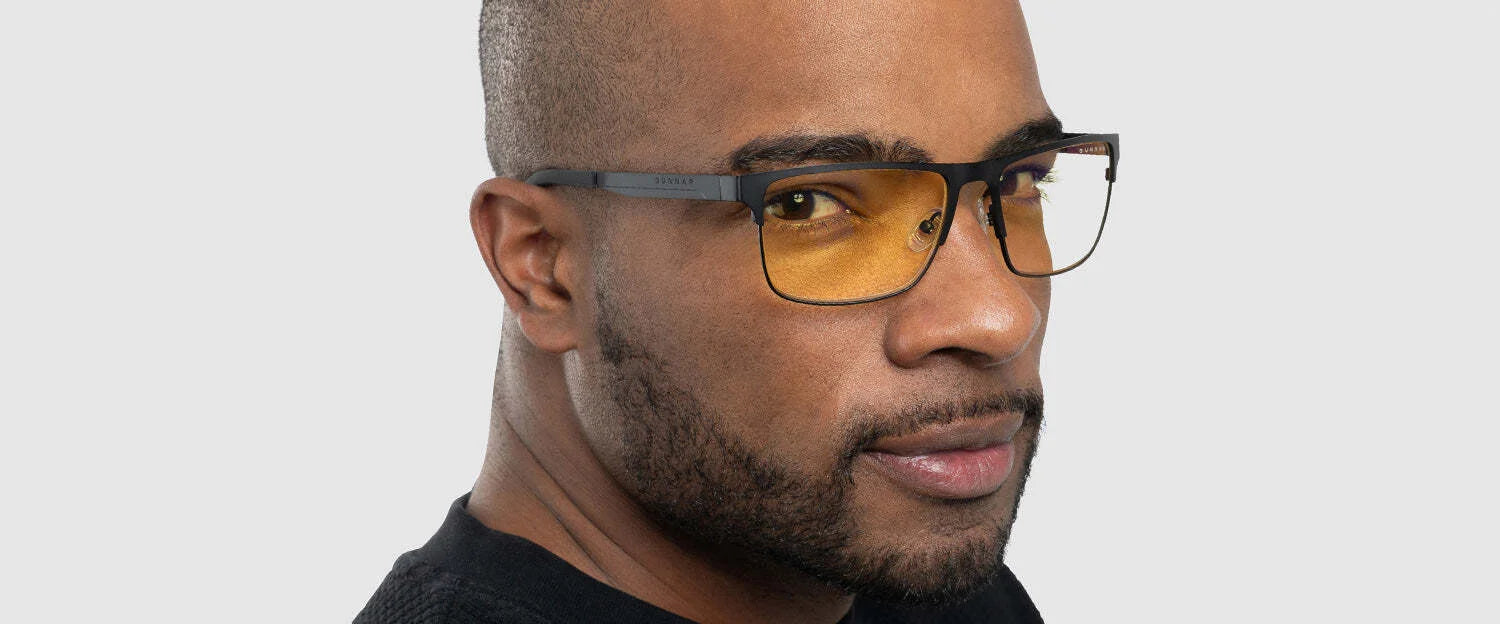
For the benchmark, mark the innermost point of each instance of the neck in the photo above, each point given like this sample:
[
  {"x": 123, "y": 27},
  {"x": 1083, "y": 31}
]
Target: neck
[{"x": 542, "y": 481}]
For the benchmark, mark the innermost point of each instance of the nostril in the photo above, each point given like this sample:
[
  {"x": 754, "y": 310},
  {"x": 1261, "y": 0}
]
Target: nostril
[{"x": 967, "y": 356}]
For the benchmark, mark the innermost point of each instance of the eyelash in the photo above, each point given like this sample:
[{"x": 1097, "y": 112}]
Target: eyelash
[
  {"x": 1039, "y": 173},
  {"x": 844, "y": 219},
  {"x": 818, "y": 224},
  {"x": 832, "y": 195}
]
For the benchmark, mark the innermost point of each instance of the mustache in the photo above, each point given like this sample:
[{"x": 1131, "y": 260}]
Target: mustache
[{"x": 911, "y": 419}]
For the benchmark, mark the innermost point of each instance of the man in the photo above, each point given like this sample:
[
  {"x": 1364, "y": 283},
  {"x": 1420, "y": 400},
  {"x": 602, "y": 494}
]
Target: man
[{"x": 763, "y": 361}]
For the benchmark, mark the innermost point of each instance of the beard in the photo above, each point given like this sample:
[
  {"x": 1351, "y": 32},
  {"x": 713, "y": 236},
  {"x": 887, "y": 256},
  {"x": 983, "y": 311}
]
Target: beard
[{"x": 711, "y": 487}]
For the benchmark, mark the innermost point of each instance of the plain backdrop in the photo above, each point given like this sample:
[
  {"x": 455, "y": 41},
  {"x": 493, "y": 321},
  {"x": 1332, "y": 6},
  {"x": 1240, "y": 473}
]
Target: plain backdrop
[{"x": 247, "y": 342}]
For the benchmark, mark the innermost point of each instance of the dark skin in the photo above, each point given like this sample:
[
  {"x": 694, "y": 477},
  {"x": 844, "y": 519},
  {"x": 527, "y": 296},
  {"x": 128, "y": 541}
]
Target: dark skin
[{"x": 948, "y": 78}]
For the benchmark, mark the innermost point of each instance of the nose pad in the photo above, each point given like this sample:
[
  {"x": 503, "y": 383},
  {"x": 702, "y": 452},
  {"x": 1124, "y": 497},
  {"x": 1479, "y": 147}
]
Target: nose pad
[
  {"x": 976, "y": 196},
  {"x": 925, "y": 233},
  {"x": 984, "y": 207}
]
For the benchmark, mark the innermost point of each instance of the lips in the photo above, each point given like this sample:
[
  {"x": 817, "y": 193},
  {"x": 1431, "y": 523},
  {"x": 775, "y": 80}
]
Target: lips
[{"x": 956, "y": 461}]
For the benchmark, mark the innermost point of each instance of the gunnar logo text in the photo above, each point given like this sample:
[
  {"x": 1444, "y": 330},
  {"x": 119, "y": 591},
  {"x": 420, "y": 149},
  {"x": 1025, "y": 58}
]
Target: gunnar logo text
[{"x": 673, "y": 181}]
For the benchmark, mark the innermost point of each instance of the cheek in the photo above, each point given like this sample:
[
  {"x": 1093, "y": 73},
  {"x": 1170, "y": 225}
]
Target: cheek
[
  {"x": 773, "y": 376},
  {"x": 770, "y": 369},
  {"x": 786, "y": 377}
]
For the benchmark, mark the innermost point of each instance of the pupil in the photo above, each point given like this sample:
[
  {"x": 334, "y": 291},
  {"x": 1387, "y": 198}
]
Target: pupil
[
  {"x": 800, "y": 206},
  {"x": 1008, "y": 185}
]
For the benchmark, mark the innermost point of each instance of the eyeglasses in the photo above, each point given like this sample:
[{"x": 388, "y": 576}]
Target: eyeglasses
[{"x": 849, "y": 233}]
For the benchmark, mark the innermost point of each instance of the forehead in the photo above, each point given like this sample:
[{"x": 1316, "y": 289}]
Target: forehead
[{"x": 945, "y": 76}]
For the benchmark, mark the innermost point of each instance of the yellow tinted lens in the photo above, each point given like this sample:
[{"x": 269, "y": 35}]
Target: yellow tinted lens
[
  {"x": 1053, "y": 204},
  {"x": 844, "y": 236}
]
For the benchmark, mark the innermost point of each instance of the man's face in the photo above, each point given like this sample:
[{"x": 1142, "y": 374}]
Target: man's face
[{"x": 753, "y": 425}]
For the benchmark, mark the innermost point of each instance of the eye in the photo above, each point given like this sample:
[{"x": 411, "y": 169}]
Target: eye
[
  {"x": 803, "y": 205},
  {"x": 1025, "y": 184},
  {"x": 1018, "y": 183}
]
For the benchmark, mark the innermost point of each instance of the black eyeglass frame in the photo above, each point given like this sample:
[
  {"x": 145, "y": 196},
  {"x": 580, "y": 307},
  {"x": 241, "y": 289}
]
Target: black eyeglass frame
[{"x": 750, "y": 189}]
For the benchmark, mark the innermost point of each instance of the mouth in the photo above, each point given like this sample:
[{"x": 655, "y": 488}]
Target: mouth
[{"x": 957, "y": 461}]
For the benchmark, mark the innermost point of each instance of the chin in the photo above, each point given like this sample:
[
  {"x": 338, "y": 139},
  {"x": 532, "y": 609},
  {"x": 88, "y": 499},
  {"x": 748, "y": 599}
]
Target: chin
[
  {"x": 914, "y": 549},
  {"x": 941, "y": 569}
]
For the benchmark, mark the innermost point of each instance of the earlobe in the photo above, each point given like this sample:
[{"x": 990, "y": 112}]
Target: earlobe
[{"x": 523, "y": 234}]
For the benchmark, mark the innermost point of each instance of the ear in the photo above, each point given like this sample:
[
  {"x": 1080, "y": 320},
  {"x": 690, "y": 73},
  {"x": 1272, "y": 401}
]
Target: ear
[{"x": 528, "y": 239}]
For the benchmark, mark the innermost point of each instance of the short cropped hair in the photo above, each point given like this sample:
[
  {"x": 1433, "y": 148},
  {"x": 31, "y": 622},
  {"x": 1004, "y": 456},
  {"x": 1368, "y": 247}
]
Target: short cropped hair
[{"x": 561, "y": 85}]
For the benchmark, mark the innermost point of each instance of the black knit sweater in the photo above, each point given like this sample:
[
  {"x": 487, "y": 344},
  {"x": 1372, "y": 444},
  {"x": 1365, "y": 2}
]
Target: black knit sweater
[{"x": 470, "y": 573}]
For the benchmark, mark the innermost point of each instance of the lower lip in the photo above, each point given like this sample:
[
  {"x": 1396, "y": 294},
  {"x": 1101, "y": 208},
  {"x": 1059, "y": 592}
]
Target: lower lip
[{"x": 957, "y": 474}]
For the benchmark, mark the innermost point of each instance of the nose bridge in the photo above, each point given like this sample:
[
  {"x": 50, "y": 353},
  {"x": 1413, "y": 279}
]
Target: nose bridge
[
  {"x": 969, "y": 239},
  {"x": 968, "y": 301},
  {"x": 967, "y": 191}
]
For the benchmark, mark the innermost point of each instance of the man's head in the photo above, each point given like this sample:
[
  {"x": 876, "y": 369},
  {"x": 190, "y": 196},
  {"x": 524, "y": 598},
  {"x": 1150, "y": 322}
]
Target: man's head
[{"x": 816, "y": 438}]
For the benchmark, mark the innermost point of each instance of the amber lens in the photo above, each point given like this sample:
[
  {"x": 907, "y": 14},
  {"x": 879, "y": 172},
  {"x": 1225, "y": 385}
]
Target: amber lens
[
  {"x": 1054, "y": 205},
  {"x": 852, "y": 235}
]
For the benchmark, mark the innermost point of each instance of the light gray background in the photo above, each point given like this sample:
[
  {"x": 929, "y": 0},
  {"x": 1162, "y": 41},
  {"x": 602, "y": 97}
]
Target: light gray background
[{"x": 247, "y": 342}]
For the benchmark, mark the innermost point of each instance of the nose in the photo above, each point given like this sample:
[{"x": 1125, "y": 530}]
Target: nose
[{"x": 968, "y": 306}]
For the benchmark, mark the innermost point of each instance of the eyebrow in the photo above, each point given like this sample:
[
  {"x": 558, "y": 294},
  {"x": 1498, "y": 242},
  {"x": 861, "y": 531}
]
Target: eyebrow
[{"x": 793, "y": 149}]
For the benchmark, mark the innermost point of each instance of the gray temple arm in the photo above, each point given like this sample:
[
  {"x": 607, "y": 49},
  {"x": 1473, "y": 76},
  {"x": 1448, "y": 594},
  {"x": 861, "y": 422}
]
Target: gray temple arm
[{"x": 661, "y": 186}]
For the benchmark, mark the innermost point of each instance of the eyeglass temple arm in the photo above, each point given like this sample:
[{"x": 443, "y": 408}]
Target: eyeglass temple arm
[{"x": 659, "y": 186}]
